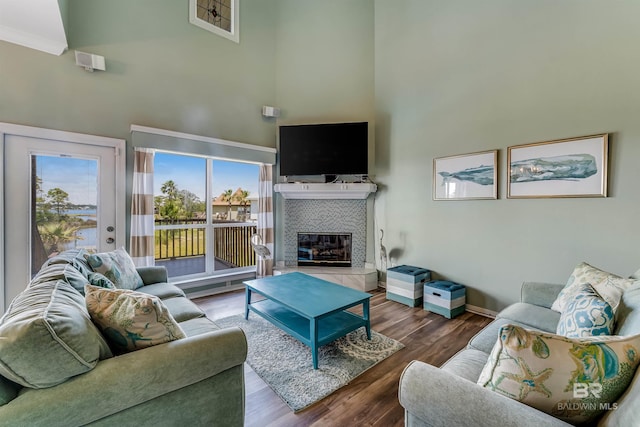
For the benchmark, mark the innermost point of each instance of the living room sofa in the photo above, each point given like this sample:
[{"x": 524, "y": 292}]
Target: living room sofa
[
  {"x": 450, "y": 396},
  {"x": 197, "y": 380}
]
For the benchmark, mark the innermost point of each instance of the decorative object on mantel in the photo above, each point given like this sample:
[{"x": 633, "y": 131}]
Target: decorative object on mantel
[
  {"x": 465, "y": 177},
  {"x": 325, "y": 191},
  {"x": 573, "y": 167},
  {"x": 283, "y": 362}
]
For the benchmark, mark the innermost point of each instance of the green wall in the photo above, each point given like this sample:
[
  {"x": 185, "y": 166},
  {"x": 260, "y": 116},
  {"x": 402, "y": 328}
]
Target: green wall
[
  {"x": 324, "y": 73},
  {"x": 463, "y": 76},
  {"x": 313, "y": 60},
  {"x": 161, "y": 72},
  {"x": 434, "y": 79}
]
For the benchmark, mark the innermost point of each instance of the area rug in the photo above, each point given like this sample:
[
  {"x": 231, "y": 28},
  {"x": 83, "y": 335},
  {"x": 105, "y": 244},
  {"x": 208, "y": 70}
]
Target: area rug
[{"x": 284, "y": 363}]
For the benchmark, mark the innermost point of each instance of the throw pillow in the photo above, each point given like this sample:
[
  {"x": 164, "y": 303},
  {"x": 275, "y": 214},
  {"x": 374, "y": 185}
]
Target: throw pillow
[
  {"x": 131, "y": 320},
  {"x": 47, "y": 337},
  {"x": 118, "y": 267},
  {"x": 628, "y": 315},
  {"x": 586, "y": 315},
  {"x": 608, "y": 285},
  {"x": 572, "y": 379},
  {"x": 75, "y": 257},
  {"x": 97, "y": 279}
]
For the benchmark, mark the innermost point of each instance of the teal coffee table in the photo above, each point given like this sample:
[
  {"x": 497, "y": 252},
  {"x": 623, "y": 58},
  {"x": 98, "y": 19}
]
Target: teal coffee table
[{"x": 312, "y": 310}]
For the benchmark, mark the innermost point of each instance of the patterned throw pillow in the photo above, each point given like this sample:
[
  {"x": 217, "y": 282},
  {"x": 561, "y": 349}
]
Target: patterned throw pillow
[
  {"x": 100, "y": 280},
  {"x": 118, "y": 267},
  {"x": 586, "y": 315},
  {"x": 131, "y": 320},
  {"x": 609, "y": 286},
  {"x": 572, "y": 379}
]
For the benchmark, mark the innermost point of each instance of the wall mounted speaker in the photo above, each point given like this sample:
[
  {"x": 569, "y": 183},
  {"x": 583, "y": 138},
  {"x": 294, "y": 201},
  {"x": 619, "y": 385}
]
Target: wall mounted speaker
[
  {"x": 90, "y": 61},
  {"x": 268, "y": 111}
]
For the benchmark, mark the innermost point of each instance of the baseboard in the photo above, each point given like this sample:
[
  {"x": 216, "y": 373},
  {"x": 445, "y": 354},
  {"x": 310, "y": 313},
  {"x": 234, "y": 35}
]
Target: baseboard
[
  {"x": 212, "y": 291},
  {"x": 468, "y": 307},
  {"x": 481, "y": 311}
]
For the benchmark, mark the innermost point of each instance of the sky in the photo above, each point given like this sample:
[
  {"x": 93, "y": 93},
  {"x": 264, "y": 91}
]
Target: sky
[
  {"x": 189, "y": 173},
  {"x": 78, "y": 177}
]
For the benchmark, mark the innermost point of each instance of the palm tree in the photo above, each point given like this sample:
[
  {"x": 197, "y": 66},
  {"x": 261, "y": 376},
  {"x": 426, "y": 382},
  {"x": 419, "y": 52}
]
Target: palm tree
[
  {"x": 170, "y": 205},
  {"x": 227, "y": 196},
  {"x": 170, "y": 189},
  {"x": 242, "y": 198},
  {"x": 54, "y": 234}
]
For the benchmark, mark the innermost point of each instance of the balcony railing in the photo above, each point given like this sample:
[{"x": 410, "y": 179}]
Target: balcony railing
[{"x": 232, "y": 242}]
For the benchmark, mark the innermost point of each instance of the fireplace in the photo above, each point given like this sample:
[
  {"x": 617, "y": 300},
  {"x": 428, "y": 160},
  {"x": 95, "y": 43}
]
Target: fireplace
[{"x": 324, "y": 249}]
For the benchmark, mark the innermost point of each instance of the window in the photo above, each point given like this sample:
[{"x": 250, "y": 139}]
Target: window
[
  {"x": 203, "y": 214},
  {"x": 65, "y": 191}
]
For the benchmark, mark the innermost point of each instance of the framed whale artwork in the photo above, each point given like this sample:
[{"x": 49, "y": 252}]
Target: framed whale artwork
[
  {"x": 573, "y": 167},
  {"x": 466, "y": 177}
]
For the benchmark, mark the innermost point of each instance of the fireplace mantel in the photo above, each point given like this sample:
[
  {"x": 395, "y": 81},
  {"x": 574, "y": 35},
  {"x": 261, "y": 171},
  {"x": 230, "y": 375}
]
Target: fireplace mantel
[{"x": 325, "y": 191}]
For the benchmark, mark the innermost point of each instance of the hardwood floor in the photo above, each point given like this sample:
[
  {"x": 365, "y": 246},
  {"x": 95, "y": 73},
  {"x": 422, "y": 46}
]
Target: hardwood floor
[{"x": 372, "y": 398}]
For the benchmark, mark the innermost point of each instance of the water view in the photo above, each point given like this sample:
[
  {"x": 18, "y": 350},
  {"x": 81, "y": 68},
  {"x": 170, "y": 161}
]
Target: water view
[{"x": 86, "y": 236}]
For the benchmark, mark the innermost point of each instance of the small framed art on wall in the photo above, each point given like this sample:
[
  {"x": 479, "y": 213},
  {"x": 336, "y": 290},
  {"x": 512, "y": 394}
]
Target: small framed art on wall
[{"x": 466, "y": 177}]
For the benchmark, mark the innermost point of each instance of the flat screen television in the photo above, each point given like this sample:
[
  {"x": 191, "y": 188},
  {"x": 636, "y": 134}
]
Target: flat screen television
[{"x": 324, "y": 149}]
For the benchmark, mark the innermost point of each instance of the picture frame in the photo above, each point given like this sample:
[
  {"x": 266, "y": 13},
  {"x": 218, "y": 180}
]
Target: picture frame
[
  {"x": 572, "y": 167},
  {"x": 221, "y": 17},
  {"x": 466, "y": 177}
]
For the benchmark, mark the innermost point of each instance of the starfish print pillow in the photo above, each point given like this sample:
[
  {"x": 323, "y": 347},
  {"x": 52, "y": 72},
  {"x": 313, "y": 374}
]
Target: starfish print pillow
[
  {"x": 574, "y": 379},
  {"x": 130, "y": 320}
]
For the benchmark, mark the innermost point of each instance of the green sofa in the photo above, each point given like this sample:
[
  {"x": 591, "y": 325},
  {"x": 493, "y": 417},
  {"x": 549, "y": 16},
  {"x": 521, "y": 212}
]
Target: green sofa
[
  {"x": 449, "y": 395},
  {"x": 195, "y": 381}
]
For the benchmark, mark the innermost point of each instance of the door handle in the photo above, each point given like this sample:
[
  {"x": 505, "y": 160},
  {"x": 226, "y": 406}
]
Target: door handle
[{"x": 110, "y": 240}]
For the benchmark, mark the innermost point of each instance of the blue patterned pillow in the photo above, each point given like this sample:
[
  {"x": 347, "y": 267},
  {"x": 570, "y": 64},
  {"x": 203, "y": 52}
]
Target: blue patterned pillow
[
  {"x": 587, "y": 314},
  {"x": 118, "y": 267},
  {"x": 100, "y": 280}
]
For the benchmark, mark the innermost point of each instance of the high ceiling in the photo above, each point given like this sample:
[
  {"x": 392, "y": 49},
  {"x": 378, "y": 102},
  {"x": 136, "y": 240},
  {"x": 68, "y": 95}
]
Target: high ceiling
[{"x": 36, "y": 24}]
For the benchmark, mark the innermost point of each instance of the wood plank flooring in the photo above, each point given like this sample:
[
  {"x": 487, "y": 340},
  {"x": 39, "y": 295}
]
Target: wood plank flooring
[{"x": 372, "y": 398}]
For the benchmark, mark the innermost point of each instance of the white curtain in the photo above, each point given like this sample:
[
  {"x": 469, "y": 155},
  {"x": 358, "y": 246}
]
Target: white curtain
[
  {"x": 265, "y": 218},
  {"x": 142, "y": 225}
]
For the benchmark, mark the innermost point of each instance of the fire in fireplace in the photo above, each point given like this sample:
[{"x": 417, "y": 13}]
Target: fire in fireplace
[{"x": 324, "y": 249}]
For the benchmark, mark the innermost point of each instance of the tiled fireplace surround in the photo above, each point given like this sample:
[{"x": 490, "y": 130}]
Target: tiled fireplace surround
[{"x": 325, "y": 216}]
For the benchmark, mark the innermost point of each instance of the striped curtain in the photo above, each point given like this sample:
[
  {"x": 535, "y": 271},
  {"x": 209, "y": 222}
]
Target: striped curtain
[
  {"x": 264, "y": 266},
  {"x": 142, "y": 228}
]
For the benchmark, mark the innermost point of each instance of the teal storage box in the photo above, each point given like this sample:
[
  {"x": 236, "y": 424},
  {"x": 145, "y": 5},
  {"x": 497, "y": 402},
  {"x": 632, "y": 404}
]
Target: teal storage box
[
  {"x": 445, "y": 298},
  {"x": 405, "y": 284}
]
